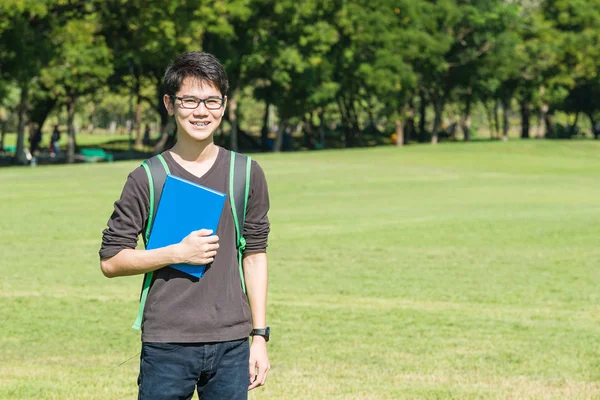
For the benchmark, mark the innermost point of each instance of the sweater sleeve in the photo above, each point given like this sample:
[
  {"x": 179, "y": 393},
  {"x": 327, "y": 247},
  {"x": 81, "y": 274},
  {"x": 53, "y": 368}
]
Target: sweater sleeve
[
  {"x": 129, "y": 217},
  {"x": 257, "y": 226}
]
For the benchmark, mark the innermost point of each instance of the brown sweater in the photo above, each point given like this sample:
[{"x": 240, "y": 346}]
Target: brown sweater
[{"x": 179, "y": 307}]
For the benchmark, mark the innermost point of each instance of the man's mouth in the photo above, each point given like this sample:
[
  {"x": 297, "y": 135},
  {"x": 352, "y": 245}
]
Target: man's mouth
[{"x": 200, "y": 123}]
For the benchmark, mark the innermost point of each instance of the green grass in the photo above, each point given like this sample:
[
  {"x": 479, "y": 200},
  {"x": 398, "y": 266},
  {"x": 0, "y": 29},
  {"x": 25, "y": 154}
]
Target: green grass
[{"x": 427, "y": 272}]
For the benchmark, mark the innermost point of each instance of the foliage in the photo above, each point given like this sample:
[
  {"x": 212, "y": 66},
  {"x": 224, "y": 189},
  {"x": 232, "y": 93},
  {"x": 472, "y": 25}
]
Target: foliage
[{"x": 346, "y": 67}]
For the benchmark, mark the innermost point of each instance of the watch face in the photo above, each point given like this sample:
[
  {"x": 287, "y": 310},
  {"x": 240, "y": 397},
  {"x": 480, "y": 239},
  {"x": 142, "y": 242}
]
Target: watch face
[{"x": 266, "y": 333}]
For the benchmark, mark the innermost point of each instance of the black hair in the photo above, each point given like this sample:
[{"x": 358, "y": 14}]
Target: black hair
[{"x": 197, "y": 65}]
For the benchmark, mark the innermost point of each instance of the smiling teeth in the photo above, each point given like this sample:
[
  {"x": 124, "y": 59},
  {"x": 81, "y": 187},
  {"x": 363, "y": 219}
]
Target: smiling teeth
[{"x": 201, "y": 123}]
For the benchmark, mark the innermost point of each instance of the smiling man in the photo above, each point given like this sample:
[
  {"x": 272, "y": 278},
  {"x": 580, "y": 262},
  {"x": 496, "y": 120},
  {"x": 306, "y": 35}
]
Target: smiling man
[{"x": 195, "y": 332}]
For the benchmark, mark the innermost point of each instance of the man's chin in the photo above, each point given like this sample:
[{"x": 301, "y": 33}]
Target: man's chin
[{"x": 200, "y": 135}]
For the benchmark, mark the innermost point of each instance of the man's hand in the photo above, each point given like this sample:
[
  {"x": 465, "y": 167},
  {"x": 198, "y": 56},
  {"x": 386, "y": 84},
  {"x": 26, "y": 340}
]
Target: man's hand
[
  {"x": 198, "y": 248},
  {"x": 259, "y": 362}
]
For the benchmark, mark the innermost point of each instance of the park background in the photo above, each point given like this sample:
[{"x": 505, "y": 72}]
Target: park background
[{"x": 433, "y": 171}]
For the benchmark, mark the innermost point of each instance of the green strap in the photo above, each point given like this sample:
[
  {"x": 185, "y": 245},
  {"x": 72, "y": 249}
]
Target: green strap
[
  {"x": 151, "y": 208},
  {"x": 235, "y": 220},
  {"x": 138, "y": 320},
  {"x": 248, "y": 166},
  {"x": 240, "y": 241},
  {"x": 164, "y": 163},
  {"x": 148, "y": 277}
]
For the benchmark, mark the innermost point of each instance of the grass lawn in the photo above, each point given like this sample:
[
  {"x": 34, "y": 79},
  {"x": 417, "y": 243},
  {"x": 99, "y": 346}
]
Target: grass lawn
[{"x": 457, "y": 271}]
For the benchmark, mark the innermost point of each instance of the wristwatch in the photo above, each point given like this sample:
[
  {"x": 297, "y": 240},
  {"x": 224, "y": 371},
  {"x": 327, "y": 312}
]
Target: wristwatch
[{"x": 266, "y": 332}]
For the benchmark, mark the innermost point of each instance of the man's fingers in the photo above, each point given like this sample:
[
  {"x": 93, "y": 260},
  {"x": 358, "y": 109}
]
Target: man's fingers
[
  {"x": 254, "y": 383},
  {"x": 258, "y": 376},
  {"x": 252, "y": 372},
  {"x": 214, "y": 239},
  {"x": 265, "y": 373},
  {"x": 211, "y": 254},
  {"x": 213, "y": 247},
  {"x": 203, "y": 232}
]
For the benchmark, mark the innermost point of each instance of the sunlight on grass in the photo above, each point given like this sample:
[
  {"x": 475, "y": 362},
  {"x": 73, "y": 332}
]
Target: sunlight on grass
[{"x": 427, "y": 272}]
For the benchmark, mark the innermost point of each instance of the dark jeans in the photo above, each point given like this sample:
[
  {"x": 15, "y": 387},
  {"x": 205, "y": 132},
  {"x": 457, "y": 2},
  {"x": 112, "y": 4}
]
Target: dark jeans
[{"x": 171, "y": 371}]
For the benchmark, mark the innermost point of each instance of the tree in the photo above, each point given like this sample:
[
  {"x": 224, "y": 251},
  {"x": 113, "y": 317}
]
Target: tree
[
  {"x": 81, "y": 65},
  {"x": 150, "y": 34},
  {"x": 577, "y": 69},
  {"x": 25, "y": 50}
]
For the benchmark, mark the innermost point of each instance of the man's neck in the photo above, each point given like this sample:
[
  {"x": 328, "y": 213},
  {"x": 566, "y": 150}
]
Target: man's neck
[{"x": 195, "y": 152}]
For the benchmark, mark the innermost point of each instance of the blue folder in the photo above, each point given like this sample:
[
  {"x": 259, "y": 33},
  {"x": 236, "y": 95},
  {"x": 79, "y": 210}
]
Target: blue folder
[{"x": 184, "y": 207}]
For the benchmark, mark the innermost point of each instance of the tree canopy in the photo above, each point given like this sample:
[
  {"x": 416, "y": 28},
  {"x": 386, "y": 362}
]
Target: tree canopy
[{"x": 351, "y": 70}]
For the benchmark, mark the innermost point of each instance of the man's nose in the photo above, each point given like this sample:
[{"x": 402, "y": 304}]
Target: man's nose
[{"x": 201, "y": 109}]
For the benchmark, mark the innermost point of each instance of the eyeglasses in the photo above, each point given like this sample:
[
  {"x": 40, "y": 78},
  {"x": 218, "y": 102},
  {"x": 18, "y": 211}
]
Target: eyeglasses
[{"x": 211, "y": 103}]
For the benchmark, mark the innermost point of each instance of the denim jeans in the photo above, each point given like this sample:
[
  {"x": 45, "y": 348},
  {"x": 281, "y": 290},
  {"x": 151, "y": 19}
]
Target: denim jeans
[{"x": 172, "y": 371}]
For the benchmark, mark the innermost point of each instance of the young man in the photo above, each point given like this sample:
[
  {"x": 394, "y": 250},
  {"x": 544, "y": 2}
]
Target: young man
[{"x": 195, "y": 331}]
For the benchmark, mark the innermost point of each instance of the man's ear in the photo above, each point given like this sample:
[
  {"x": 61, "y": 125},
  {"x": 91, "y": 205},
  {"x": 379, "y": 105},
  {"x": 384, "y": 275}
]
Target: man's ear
[
  {"x": 169, "y": 105},
  {"x": 224, "y": 106}
]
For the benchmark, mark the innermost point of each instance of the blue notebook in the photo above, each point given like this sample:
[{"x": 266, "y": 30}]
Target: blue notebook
[{"x": 184, "y": 207}]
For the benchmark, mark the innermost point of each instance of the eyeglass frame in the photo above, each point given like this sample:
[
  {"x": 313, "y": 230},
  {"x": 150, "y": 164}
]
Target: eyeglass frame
[{"x": 199, "y": 100}]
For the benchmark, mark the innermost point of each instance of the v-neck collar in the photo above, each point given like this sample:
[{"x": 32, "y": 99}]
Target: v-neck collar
[{"x": 184, "y": 173}]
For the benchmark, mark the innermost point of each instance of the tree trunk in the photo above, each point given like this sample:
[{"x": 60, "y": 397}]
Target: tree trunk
[
  {"x": 3, "y": 133},
  {"x": 41, "y": 111},
  {"x": 233, "y": 119},
  {"x": 279, "y": 138},
  {"x": 489, "y": 113},
  {"x": 168, "y": 137},
  {"x": 437, "y": 122},
  {"x": 349, "y": 134},
  {"x": 595, "y": 128},
  {"x": 309, "y": 141},
  {"x": 547, "y": 127},
  {"x": 71, "y": 129},
  {"x": 409, "y": 125},
  {"x": 37, "y": 118},
  {"x": 5, "y": 122},
  {"x": 357, "y": 131},
  {"x": 496, "y": 121},
  {"x": 344, "y": 117},
  {"x": 264, "y": 132},
  {"x": 399, "y": 132},
  {"x": 525, "y": 120},
  {"x": 166, "y": 125},
  {"x": 322, "y": 128},
  {"x": 466, "y": 121},
  {"x": 138, "y": 123},
  {"x": 422, "y": 118},
  {"x": 505, "y": 122},
  {"x": 20, "y": 155},
  {"x": 574, "y": 126},
  {"x": 549, "y": 123},
  {"x": 90, "y": 125},
  {"x": 371, "y": 118}
]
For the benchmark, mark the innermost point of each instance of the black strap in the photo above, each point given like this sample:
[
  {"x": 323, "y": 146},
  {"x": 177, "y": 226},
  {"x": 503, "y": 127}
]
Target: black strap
[{"x": 159, "y": 176}]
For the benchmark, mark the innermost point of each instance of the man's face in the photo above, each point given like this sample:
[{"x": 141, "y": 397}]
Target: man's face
[{"x": 196, "y": 123}]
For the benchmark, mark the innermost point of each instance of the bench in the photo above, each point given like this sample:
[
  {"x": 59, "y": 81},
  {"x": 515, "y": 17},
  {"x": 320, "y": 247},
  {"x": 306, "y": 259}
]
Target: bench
[
  {"x": 10, "y": 149},
  {"x": 93, "y": 155}
]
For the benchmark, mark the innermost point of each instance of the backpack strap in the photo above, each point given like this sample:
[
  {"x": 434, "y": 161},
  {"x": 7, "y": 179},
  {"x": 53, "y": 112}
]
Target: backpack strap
[
  {"x": 157, "y": 170},
  {"x": 239, "y": 185}
]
